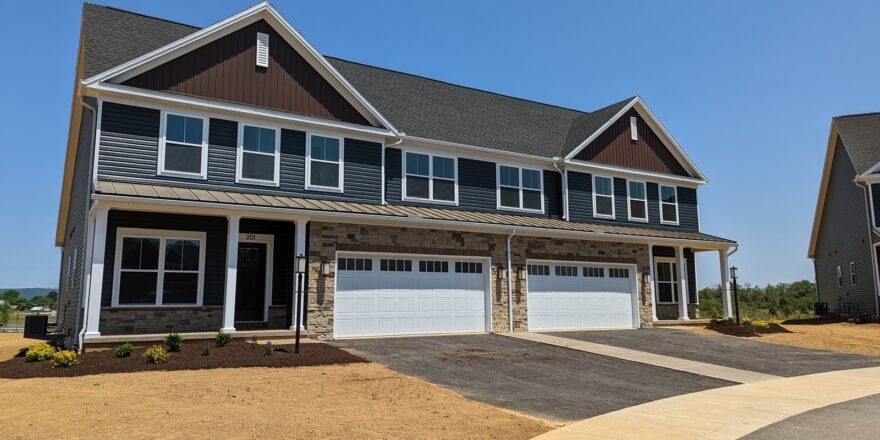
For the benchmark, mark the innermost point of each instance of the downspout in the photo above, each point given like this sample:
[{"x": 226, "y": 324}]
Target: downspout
[
  {"x": 867, "y": 188},
  {"x": 735, "y": 248},
  {"x": 87, "y": 244},
  {"x": 564, "y": 189},
  {"x": 509, "y": 284},
  {"x": 384, "y": 146}
]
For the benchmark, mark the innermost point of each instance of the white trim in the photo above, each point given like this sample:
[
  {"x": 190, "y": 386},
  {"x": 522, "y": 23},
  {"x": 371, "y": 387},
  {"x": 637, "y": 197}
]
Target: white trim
[
  {"x": 498, "y": 186},
  {"x": 629, "y": 200},
  {"x": 594, "y": 167},
  {"x": 239, "y": 153},
  {"x": 823, "y": 189},
  {"x": 660, "y": 204},
  {"x": 163, "y": 235},
  {"x": 269, "y": 241},
  {"x": 676, "y": 290},
  {"x": 160, "y": 163},
  {"x": 612, "y": 195},
  {"x": 430, "y": 177},
  {"x": 97, "y": 146},
  {"x": 341, "y": 163}
]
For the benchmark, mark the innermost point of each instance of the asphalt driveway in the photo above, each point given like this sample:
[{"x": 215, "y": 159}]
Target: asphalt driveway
[
  {"x": 745, "y": 354},
  {"x": 550, "y": 382},
  {"x": 848, "y": 420}
]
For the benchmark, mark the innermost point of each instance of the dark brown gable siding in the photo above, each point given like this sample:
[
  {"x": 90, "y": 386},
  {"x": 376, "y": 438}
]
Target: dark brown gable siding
[
  {"x": 226, "y": 70},
  {"x": 615, "y": 147}
]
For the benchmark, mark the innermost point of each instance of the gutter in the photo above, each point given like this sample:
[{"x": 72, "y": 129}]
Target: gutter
[
  {"x": 564, "y": 188},
  {"x": 510, "y": 284},
  {"x": 85, "y": 286}
]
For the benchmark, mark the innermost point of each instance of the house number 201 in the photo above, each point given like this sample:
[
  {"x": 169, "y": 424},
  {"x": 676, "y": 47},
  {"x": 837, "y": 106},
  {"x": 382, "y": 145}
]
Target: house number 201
[{"x": 250, "y": 237}]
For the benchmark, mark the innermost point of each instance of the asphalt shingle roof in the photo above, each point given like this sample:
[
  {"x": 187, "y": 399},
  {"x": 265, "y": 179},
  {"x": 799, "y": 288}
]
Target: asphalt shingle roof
[
  {"x": 416, "y": 105},
  {"x": 861, "y": 135}
]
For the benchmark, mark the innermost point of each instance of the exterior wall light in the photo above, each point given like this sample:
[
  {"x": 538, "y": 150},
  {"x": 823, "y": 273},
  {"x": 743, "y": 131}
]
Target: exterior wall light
[
  {"x": 502, "y": 273},
  {"x": 300, "y": 264},
  {"x": 522, "y": 273},
  {"x": 325, "y": 267}
]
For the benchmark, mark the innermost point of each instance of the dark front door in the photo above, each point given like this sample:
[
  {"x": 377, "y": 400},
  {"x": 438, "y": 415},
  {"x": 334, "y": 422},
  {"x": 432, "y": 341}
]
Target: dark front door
[{"x": 250, "y": 294}]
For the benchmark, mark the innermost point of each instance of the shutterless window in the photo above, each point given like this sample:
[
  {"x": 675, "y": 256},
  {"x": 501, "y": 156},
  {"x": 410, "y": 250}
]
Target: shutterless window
[
  {"x": 668, "y": 204},
  {"x": 616, "y": 272},
  {"x": 566, "y": 271},
  {"x": 325, "y": 165},
  {"x": 638, "y": 201},
  {"x": 359, "y": 264},
  {"x": 539, "y": 269},
  {"x": 433, "y": 266},
  {"x": 430, "y": 177},
  {"x": 259, "y": 154},
  {"x": 594, "y": 272},
  {"x": 852, "y": 272},
  {"x": 395, "y": 265},
  {"x": 159, "y": 270},
  {"x": 839, "y": 277},
  {"x": 184, "y": 147},
  {"x": 468, "y": 267},
  {"x": 520, "y": 188},
  {"x": 603, "y": 196}
]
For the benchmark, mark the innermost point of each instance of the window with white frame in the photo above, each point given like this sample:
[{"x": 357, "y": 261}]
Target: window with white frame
[
  {"x": 71, "y": 268},
  {"x": 156, "y": 268},
  {"x": 258, "y": 159},
  {"x": 667, "y": 281},
  {"x": 603, "y": 196},
  {"x": 520, "y": 188},
  {"x": 183, "y": 146},
  {"x": 839, "y": 277},
  {"x": 324, "y": 163},
  {"x": 638, "y": 201},
  {"x": 429, "y": 177},
  {"x": 852, "y": 272},
  {"x": 668, "y": 204}
]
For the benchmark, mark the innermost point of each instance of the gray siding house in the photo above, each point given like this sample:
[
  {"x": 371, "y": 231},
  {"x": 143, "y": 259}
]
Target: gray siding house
[
  {"x": 233, "y": 178},
  {"x": 846, "y": 227}
]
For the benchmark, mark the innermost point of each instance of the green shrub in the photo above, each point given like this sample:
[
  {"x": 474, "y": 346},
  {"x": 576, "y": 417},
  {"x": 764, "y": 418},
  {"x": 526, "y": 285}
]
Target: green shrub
[
  {"x": 269, "y": 348},
  {"x": 223, "y": 338},
  {"x": 206, "y": 350},
  {"x": 174, "y": 342},
  {"x": 156, "y": 355},
  {"x": 64, "y": 359},
  {"x": 39, "y": 352},
  {"x": 123, "y": 350}
]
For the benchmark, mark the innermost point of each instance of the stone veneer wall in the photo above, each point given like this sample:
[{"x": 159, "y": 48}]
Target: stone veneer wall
[
  {"x": 122, "y": 321},
  {"x": 670, "y": 311},
  {"x": 325, "y": 239}
]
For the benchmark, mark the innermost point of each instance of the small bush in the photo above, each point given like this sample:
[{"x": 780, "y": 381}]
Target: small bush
[
  {"x": 253, "y": 342},
  {"x": 64, "y": 359},
  {"x": 223, "y": 338},
  {"x": 39, "y": 352},
  {"x": 206, "y": 350},
  {"x": 156, "y": 355},
  {"x": 123, "y": 350},
  {"x": 174, "y": 342},
  {"x": 269, "y": 349}
]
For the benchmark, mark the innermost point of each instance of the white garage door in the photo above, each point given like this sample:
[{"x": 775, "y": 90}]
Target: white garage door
[
  {"x": 581, "y": 296},
  {"x": 403, "y": 295}
]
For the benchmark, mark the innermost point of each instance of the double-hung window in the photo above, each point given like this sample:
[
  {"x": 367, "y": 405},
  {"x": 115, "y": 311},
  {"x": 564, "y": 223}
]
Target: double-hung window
[
  {"x": 258, "y": 155},
  {"x": 852, "y": 272},
  {"x": 520, "y": 189},
  {"x": 638, "y": 201},
  {"x": 839, "y": 277},
  {"x": 603, "y": 196},
  {"x": 324, "y": 163},
  {"x": 430, "y": 178},
  {"x": 156, "y": 268},
  {"x": 668, "y": 204},
  {"x": 183, "y": 146}
]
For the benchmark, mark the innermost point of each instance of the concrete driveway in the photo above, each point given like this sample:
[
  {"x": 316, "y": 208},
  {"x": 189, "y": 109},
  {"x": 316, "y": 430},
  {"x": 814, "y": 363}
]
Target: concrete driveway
[
  {"x": 550, "y": 382},
  {"x": 740, "y": 353}
]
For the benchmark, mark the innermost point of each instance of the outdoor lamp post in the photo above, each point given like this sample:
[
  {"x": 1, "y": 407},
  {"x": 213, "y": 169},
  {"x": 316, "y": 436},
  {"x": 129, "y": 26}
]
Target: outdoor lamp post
[
  {"x": 299, "y": 268},
  {"x": 734, "y": 272}
]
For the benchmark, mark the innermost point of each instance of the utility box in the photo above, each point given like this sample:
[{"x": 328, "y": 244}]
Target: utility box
[
  {"x": 35, "y": 326},
  {"x": 821, "y": 308}
]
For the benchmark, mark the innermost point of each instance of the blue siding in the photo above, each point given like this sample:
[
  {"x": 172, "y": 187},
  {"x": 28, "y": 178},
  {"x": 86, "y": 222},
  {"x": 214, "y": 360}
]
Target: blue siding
[
  {"x": 580, "y": 197},
  {"x": 477, "y": 185},
  {"x": 621, "y": 210},
  {"x": 552, "y": 194},
  {"x": 875, "y": 202},
  {"x": 392, "y": 175}
]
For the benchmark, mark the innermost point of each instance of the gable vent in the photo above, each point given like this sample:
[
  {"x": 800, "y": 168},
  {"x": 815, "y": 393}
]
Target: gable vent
[
  {"x": 262, "y": 49},
  {"x": 634, "y": 128}
]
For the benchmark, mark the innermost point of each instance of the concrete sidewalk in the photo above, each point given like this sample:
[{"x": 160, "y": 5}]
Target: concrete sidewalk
[
  {"x": 725, "y": 413},
  {"x": 657, "y": 360}
]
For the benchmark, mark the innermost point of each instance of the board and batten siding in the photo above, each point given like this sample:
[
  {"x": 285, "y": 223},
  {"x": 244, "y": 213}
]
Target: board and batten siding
[
  {"x": 843, "y": 238},
  {"x": 129, "y": 149}
]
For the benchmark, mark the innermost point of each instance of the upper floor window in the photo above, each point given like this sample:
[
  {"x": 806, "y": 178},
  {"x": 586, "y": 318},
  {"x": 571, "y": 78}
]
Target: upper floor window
[
  {"x": 430, "y": 178},
  {"x": 520, "y": 189},
  {"x": 839, "y": 277},
  {"x": 258, "y": 155},
  {"x": 668, "y": 204},
  {"x": 638, "y": 201},
  {"x": 324, "y": 163},
  {"x": 603, "y": 196},
  {"x": 852, "y": 272},
  {"x": 183, "y": 146}
]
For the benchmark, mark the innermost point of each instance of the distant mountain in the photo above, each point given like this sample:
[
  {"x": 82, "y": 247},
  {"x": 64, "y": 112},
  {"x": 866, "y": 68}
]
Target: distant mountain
[{"x": 30, "y": 292}]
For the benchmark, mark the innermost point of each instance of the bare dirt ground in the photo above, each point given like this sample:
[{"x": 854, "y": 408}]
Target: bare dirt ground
[
  {"x": 361, "y": 401},
  {"x": 843, "y": 337}
]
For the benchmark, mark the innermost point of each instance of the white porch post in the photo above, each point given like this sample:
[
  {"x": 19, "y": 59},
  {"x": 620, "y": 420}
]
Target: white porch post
[
  {"x": 299, "y": 282},
  {"x": 725, "y": 283},
  {"x": 651, "y": 286},
  {"x": 682, "y": 284},
  {"x": 93, "y": 317},
  {"x": 231, "y": 273}
]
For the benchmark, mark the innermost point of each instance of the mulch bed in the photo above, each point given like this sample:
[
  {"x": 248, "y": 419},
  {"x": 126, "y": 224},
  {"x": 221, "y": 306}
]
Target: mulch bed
[
  {"x": 236, "y": 354},
  {"x": 730, "y": 327}
]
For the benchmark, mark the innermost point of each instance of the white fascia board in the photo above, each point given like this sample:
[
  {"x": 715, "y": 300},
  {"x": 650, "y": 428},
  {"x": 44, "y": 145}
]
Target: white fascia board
[
  {"x": 484, "y": 153},
  {"x": 601, "y": 129},
  {"x": 136, "y": 96},
  {"x": 823, "y": 187},
  {"x": 580, "y": 165},
  {"x": 287, "y": 214}
]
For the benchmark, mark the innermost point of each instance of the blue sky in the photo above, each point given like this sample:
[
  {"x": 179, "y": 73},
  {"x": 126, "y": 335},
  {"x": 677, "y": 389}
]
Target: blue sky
[{"x": 748, "y": 88}]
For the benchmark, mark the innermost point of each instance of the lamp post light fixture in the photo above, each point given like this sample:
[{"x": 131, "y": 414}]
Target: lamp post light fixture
[
  {"x": 300, "y": 264},
  {"x": 734, "y": 272}
]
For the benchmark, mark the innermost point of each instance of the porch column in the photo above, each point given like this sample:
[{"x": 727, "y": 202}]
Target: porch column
[
  {"x": 725, "y": 283},
  {"x": 651, "y": 287},
  {"x": 299, "y": 281},
  {"x": 682, "y": 283},
  {"x": 93, "y": 316},
  {"x": 231, "y": 273}
]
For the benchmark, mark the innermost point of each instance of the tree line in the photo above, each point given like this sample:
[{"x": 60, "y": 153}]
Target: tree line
[{"x": 773, "y": 301}]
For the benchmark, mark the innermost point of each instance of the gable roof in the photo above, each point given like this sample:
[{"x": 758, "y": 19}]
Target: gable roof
[{"x": 861, "y": 135}]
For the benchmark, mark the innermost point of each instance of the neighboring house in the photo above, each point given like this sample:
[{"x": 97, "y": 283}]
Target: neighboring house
[
  {"x": 845, "y": 241},
  {"x": 202, "y": 162}
]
